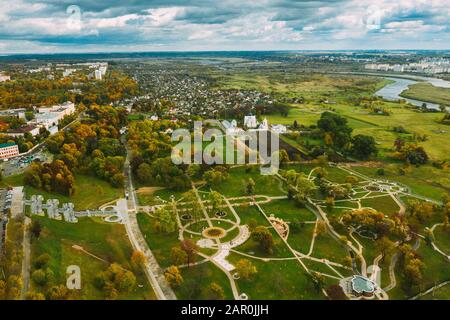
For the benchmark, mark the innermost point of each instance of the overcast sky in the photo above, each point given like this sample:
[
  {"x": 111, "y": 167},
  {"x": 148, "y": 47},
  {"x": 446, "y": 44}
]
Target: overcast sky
[{"x": 43, "y": 26}]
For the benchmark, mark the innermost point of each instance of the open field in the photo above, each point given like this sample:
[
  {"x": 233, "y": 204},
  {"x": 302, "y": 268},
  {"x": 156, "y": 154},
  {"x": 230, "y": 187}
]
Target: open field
[
  {"x": 427, "y": 92},
  {"x": 90, "y": 192},
  {"x": 106, "y": 241}
]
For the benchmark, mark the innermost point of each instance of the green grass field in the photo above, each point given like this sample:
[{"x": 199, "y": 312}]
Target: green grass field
[
  {"x": 90, "y": 192},
  {"x": 284, "y": 280},
  {"x": 104, "y": 240},
  {"x": 427, "y": 92}
]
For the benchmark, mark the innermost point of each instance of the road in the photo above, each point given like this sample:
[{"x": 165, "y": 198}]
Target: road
[{"x": 127, "y": 209}]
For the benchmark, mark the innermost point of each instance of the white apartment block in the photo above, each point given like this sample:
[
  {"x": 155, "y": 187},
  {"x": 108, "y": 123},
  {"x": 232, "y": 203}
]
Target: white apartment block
[
  {"x": 4, "y": 77},
  {"x": 98, "y": 75}
]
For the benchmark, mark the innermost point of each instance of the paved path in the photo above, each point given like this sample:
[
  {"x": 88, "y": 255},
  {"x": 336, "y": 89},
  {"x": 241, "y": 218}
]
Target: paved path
[
  {"x": 26, "y": 244},
  {"x": 430, "y": 290},
  {"x": 127, "y": 209}
]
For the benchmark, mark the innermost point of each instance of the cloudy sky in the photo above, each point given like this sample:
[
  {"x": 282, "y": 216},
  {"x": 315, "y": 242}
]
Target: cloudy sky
[{"x": 42, "y": 26}]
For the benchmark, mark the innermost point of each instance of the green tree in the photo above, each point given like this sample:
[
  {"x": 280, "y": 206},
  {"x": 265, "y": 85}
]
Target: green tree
[
  {"x": 173, "y": 276},
  {"x": 215, "y": 292},
  {"x": 363, "y": 147},
  {"x": 264, "y": 237},
  {"x": 178, "y": 256},
  {"x": 245, "y": 269}
]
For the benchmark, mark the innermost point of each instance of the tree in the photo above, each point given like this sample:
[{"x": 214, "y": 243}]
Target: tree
[
  {"x": 216, "y": 292},
  {"x": 385, "y": 246},
  {"x": 216, "y": 201},
  {"x": 335, "y": 292},
  {"x": 412, "y": 153},
  {"x": 351, "y": 179},
  {"x": 138, "y": 259},
  {"x": 336, "y": 128},
  {"x": 144, "y": 173},
  {"x": 35, "y": 229},
  {"x": 35, "y": 296},
  {"x": 195, "y": 206},
  {"x": 318, "y": 280},
  {"x": 264, "y": 237},
  {"x": 59, "y": 292},
  {"x": 42, "y": 261},
  {"x": 117, "y": 180},
  {"x": 189, "y": 246},
  {"x": 250, "y": 187},
  {"x": 295, "y": 226},
  {"x": 321, "y": 227},
  {"x": 3, "y": 290},
  {"x": 363, "y": 146},
  {"x": 167, "y": 219},
  {"x": 245, "y": 269},
  {"x": 115, "y": 279},
  {"x": 173, "y": 276},
  {"x": 42, "y": 277},
  {"x": 178, "y": 256}
]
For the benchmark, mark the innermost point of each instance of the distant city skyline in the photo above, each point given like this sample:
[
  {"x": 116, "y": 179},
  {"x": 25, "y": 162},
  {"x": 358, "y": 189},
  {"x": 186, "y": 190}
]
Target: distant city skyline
[{"x": 51, "y": 26}]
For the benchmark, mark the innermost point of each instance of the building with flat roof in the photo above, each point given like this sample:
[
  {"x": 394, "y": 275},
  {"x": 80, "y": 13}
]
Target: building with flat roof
[{"x": 8, "y": 150}]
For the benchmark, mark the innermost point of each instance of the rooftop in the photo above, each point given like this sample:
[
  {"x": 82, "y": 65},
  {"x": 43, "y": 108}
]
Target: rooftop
[
  {"x": 361, "y": 284},
  {"x": 8, "y": 144}
]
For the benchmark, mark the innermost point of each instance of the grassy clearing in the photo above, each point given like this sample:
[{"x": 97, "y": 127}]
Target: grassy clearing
[
  {"x": 160, "y": 243},
  {"x": 383, "y": 204},
  {"x": 301, "y": 241},
  {"x": 427, "y": 92},
  {"x": 325, "y": 247},
  {"x": 424, "y": 180},
  {"x": 198, "y": 278},
  {"x": 283, "y": 280},
  {"x": 236, "y": 183},
  {"x": 104, "y": 240},
  {"x": 249, "y": 213},
  {"x": 442, "y": 238},
  {"x": 90, "y": 192},
  {"x": 288, "y": 211}
]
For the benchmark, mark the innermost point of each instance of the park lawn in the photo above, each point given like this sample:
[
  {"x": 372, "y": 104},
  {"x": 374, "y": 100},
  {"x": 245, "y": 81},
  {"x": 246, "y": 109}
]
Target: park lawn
[
  {"x": 287, "y": 210},
  {"x": 160, "y": 243},
  {"x": 277, "y": 280},
  {"x": 303, "y": 116},
  {"x": 104, "y": 240},
  {"x": 197, "y": 280},
  {"x": 425, "y": 91},
  {"x": 280, "y": 250},
  {"x": 325, "y": 247},
  {"x": 425, "y": 180},
  {"x": 410, "y": 119},
  {"x": 335, "y": 174},
  {"x": 370, "y": 251},
  {"x": 436, "y": 266},
  {"x": 384, "y": 204},
  {"x": 90, "y": 192},
  {"x": 249, "y": 213},
  {"x": 442, "y": 238},
  {"x": 301, "y": 240},
  {"x": 236, "y": 183},
  {"x": 442, "y": 293},
  {"x": 323, "y": 268}
]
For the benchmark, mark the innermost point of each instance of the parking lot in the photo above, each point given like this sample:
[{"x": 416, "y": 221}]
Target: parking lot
[
  {"x": 20, "y": 164},
  {"x": 5, "y": 204}
]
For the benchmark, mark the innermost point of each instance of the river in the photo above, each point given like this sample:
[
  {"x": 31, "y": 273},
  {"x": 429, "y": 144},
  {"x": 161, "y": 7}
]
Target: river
[{"x": 392, "y": 91}]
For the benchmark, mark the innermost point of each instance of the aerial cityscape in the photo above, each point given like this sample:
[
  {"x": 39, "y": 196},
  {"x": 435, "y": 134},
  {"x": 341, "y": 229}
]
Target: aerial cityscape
[{"x": 185, "y": 152}]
